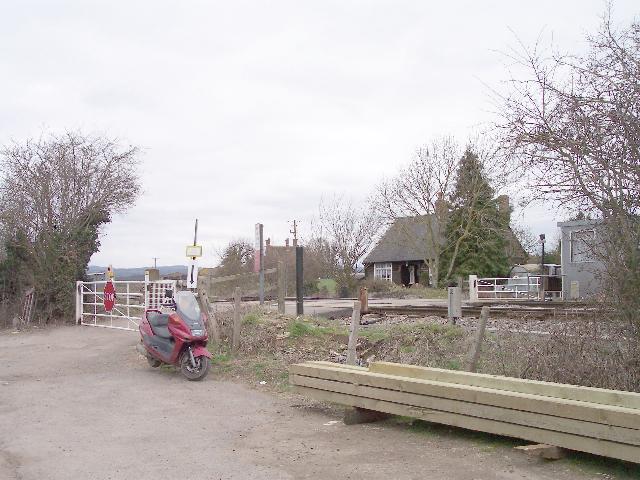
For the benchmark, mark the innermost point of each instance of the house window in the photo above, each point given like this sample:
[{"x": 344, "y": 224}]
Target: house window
[
  {"x": 581, "y": 244},
  {"x": 382, "y": 271}
]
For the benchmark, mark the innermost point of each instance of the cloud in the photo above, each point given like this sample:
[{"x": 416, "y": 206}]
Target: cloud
[{"x": 251, "y": 111}]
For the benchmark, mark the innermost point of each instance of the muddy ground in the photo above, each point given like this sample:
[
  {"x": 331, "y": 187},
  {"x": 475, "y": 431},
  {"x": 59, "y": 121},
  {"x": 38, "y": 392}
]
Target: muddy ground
[{"x": 79, "y": 402}]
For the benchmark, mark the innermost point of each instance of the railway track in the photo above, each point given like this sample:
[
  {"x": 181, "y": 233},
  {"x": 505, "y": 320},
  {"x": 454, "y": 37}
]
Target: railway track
[{"x": 474, "y": 311}]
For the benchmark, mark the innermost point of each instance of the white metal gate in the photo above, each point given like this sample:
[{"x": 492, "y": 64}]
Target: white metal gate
[{"x": 132, "y": 299}]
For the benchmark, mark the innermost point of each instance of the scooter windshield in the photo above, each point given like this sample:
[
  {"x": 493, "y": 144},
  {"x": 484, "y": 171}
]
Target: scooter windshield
[{"x": 187, "y": 306}]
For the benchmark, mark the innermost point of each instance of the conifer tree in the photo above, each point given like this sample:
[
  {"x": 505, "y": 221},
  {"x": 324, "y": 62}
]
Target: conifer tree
[{"x": 474, "y": 233}]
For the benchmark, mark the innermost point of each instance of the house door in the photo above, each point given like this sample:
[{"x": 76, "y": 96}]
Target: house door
[
  {"x": 412, "y": 274},
  {"x": 404, "y": 274}
]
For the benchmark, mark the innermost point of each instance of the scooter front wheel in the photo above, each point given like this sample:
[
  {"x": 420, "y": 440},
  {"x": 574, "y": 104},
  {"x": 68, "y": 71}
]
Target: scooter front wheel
[
  {"x": 153, "y": 362},
  {"x": 201, "y": 369}
]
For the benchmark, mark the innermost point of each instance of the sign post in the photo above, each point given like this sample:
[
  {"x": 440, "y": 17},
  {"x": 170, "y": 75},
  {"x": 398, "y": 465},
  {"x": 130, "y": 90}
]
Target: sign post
[
  {"x": 109, "y": 292},
  {"x": 258, "y": 262},
  {"x": 193, "y": 252}
]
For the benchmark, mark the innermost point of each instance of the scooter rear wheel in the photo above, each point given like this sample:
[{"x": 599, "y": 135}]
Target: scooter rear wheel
[{"x": 203, "y": 364}]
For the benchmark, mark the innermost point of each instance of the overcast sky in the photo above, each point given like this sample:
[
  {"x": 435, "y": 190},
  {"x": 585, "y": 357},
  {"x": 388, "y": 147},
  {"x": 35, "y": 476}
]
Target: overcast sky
[{"x": 251, "y": 111}]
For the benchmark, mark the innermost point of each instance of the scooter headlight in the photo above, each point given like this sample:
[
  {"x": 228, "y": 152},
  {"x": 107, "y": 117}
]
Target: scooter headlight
[{"x": 197, "y": 333}]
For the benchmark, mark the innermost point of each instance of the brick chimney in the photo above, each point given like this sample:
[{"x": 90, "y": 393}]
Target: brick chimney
[
  {"x": 503, "y": 204},
  {"x": 441, "y": 206}
]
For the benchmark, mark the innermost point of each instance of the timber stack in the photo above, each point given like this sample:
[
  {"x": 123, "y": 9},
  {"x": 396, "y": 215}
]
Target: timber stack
[{"x": 598, "y": 421}]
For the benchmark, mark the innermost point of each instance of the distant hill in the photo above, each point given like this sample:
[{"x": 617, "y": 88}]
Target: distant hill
[{"x": 137, "y": 273}]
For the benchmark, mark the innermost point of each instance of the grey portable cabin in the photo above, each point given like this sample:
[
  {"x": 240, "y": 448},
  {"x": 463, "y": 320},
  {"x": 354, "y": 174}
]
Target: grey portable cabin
[{"x": 580, "y": 269}]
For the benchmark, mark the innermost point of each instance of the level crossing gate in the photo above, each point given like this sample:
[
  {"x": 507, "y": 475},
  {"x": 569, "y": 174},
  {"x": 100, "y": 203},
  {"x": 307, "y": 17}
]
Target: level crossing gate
[{"x": 132, "y": 298}]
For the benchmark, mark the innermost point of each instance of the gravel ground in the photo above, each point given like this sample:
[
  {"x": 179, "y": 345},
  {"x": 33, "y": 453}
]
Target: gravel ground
[{"x": 79, "y": 402}]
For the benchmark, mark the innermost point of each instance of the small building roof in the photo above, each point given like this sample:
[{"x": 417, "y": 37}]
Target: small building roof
[
  {"x": 579, "y": 223},
  {"x": 405, "y": 240}
]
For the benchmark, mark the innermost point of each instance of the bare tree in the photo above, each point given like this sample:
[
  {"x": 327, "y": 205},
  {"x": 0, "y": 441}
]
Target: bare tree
[
  {"x": 55, "y": 195},
  {"x": 573, "y": 125},
  {"x": 350, "y": 231},
  {"x": 420, "y": 190},
  {"x": 527, "y": 238},
  {"x": 319, "y": 259},
  {"x": 236, "y": 258}
]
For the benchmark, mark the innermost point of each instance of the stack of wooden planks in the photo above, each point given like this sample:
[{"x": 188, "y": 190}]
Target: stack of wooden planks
[{"x": 597, "y": 421}]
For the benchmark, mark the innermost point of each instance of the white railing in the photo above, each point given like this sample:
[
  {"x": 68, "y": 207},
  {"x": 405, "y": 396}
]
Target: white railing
[
  {"x": 516, "y": 288},
  {"x": 132, "y": 299},
  {"x": 526, "y": 287}
]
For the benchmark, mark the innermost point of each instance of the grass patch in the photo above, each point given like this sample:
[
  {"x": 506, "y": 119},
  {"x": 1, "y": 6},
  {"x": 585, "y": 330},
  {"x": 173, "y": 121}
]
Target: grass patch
[
  {"x": 299, "y": 328},
  {"x": 224, "y": 357},
  {"x": 428, "y": 292},
  {"x": 486, "y": 441},
  {"x": 374, "y": 334},
  {"x": 329, "y": 285},
  {"x": 259, "y": 370},
  {"x": 453, "y": 365},
  {"x": 251, "y": 318},
  {"x": 602, "y": 466},
  {"x": 302, "y": 328}
]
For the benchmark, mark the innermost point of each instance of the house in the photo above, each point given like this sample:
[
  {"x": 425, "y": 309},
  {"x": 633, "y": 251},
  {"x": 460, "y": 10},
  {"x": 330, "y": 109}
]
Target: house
[
  {"x": 273, "y": 254},
  {"x": 399, "y": 256},
  {"x": 580, "y": 269}
]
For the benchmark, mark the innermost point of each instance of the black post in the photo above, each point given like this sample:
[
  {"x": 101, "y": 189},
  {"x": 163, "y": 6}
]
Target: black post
[
  {"x": 543, "y": 282},
  {"x": 299, "y": 281},
  {"x": 542, "y": 241}
]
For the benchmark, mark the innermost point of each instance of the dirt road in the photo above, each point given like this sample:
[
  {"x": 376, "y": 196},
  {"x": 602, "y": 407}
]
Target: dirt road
[{"x": 79, "y": 403}]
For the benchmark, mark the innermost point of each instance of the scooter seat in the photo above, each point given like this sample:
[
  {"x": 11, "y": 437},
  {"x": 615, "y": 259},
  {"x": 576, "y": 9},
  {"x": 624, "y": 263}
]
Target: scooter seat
[
  {"x": 162, "y": 332},
  {"x": 157, "y": 319}
]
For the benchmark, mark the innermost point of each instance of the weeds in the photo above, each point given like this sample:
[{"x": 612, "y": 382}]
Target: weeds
[{"x": 251, "y": 318}]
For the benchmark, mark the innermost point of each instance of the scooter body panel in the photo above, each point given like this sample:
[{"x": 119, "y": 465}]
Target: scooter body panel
[{"x": 169, "y": 350}]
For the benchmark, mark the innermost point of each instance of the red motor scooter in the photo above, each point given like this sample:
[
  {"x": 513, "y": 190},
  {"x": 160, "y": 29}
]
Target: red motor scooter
[{"x": 178, "y": 338}]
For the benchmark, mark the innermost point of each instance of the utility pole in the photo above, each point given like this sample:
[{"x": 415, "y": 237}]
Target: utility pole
[
  {"x": 295, "y": 232},
  {"x": 299, "y": 281},
  {"x": 155, "y": 261},
  {"x": 258, "y": 265},
  {"x": 543, "y": 282}
]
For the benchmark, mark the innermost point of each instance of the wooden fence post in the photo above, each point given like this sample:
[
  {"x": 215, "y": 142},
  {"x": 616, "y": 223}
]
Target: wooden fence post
[
  {"x": 353, "y": 334},
  {"x": 364, "y": 300},
  {"x": 237, "y": 320},
  {"x": 281, "y": 287},
  {"x": 205, "y": 305},
  {"x": 79, "y": 293},
  {"x": 474, "y": 354}
]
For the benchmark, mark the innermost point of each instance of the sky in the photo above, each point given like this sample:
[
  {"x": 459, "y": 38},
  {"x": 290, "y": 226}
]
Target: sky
[{"x": 252, "y": 111}]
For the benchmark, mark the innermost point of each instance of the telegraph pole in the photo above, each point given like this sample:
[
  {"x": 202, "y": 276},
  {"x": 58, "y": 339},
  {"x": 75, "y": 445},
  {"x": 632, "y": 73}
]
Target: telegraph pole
[
  {"x": 543, "y": 279},
  {"x": 299, "y": 281},
  {"x": 299, "y": 271},
  {"x": 258, "y": 265}
]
